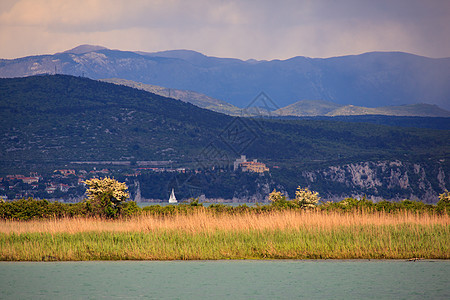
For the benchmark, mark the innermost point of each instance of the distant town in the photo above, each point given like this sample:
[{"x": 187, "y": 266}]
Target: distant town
[{"x": 68, "y": 184}]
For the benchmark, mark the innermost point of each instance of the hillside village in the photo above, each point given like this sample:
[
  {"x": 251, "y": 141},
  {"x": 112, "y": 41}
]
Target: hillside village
[{"x": 68, "y": 184}]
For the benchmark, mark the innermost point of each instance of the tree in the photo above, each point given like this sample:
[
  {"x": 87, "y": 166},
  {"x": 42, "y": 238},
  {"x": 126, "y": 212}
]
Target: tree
[
  {"x": 444, "y": 201},
  {"x": 276, "y": 197},
  {"x": 306, "y": 198},
  {"x": 106, "y": 196}
]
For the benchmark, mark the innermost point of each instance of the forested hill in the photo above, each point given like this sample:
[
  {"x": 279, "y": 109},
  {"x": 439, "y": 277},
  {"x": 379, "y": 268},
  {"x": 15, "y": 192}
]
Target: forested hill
[
  {"x": 71, "y": 118},
  {"x": 65, "y": 118}
]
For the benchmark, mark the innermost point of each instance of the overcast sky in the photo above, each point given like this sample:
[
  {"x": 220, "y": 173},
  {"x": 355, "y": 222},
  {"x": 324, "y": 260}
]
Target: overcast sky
[{"x": 242, "y": 29}]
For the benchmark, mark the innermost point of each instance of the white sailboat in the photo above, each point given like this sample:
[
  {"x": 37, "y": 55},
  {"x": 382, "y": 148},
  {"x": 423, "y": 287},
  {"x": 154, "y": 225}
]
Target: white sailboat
[{"x": 172, "y": 198}]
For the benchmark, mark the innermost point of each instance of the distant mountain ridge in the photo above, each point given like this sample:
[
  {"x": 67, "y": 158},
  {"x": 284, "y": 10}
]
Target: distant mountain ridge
[
  {"x": 308, "y": 108},
  {"x": 369, "y": 80},
  {"x": 82, "y": 49},
  {"x": 303, "y": 108},
  {"x": 197, "y": 99},
  {"x": 326, "y": 108}
]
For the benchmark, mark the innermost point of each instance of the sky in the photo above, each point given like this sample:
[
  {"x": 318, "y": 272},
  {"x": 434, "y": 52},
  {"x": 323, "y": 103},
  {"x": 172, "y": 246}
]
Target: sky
[{"x": 240, "y": 29}]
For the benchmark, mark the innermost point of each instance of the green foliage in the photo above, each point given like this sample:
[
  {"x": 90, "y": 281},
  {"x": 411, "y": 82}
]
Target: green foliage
[
  {"x": 278, "y": 200},
  {"x": 106, "y": 199},
  {"x": 28, "y": 209},
  {"x": 106, "y": 196},
  {"x": 159, "y": 210},
  {"x": 444, "y": 202},
  {"x": 194, "y": 202},
  {"x": 130, "y": 208},
  {"x": 304, "y": 198},
  {"x": 351, "y": 204}
]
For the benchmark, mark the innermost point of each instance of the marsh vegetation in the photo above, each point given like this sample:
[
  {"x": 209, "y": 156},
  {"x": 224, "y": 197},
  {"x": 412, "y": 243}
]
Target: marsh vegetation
[{"x": 203, "y": 234}]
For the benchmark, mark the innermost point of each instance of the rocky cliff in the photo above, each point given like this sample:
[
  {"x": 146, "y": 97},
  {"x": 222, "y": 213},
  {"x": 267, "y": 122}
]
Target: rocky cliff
[{"x": 390, "y": 180}]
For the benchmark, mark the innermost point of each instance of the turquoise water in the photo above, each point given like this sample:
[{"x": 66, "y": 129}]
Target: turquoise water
[{"x": 285, "y": 279}]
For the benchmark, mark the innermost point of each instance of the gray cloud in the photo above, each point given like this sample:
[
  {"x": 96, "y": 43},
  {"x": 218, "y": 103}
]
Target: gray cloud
[{"x": 243, "y": 29}]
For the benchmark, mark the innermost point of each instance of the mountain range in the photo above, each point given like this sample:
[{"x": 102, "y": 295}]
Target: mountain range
[
  {"x": 304, "y": 108},
  {"x": 371, "y": 80},
  {"x": 195, "y": 98},
  {"x": 326, "y": 108}
]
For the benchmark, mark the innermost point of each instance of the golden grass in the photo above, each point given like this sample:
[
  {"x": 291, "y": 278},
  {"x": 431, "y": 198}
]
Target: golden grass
[
  {"x": 204, "y": 221},
  {"x": 204, "y": 235}
]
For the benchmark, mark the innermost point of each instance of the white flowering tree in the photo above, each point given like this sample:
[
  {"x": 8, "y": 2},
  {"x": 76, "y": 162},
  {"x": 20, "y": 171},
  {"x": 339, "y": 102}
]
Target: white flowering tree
[
  {"x": 306, "y": 198},
  {"x": 276, "y": 197},
  {"x": 444, "y": 201},
  {"x": 106, "y": 195}
]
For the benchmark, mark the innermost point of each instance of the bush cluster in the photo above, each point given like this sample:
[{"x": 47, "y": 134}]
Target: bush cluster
[
  {"x": 29, "y": 209},
  {"x": 107, "y": 199},
  {"x": 304, "y": 198},
  {"x": 351, "y": 204}
]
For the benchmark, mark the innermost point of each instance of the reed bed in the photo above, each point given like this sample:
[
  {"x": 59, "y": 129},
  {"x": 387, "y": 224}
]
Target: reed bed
[
  {"x": 202, "y": 220},
  {"x": 205, "y": 235}
]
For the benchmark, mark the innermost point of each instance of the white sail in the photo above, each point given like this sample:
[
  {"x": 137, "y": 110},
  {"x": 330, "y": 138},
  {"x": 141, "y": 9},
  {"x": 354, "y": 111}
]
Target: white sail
[{"x": 172, "y": 198}]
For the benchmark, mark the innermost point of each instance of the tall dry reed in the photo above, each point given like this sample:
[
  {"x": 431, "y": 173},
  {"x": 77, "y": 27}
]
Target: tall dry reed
[{"x": 204, "y": 221}]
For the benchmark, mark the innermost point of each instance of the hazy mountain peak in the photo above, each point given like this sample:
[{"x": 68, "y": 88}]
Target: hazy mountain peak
[
  {"x": 179, "y": 53},
  {"x": 308, "y": 108},
  {"x": 419, "y": 109},
  {"x": 193, "y": 57},
  {"x": 85, "y": 49}
]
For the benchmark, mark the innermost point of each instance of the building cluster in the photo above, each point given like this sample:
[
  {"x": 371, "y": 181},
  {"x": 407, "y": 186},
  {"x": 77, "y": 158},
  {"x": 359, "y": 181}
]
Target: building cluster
[
  {"x": 140, "y": 171},
  {"x": 69, "y": 183},
  {"x": 249, "y": 166},
  {"x": 33, "y": 178},
  {"x": 57, "y": 184}
]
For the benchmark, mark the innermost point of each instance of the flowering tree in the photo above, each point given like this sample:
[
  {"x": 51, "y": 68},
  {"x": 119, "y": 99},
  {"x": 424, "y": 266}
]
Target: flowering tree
[
  {"x": 276, "y": 197},
  {"x": 106, "y": 195},
  {"x": 444, "y": 201},
  {"x": 306, "y": 198},
  {"x": 445, "y": 197}
]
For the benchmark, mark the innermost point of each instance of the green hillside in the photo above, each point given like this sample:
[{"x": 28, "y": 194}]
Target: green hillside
[
  {"x": 63, "y": 118},
  {"x": 195, "y": 98}
]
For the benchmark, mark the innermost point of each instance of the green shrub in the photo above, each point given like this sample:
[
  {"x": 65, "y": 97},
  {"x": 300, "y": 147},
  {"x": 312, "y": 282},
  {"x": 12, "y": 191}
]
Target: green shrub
[
  {"x": 28, "y": 209},
  {"x": 130, "y": 208}
]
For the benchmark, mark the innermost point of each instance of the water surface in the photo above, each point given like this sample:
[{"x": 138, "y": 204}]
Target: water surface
[{"x": 285, "y": 279}]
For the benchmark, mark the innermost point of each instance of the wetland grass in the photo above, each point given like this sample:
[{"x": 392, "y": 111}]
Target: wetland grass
[{"x": 205, "y": 235}]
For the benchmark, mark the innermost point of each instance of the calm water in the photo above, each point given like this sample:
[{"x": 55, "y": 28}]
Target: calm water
[{"x": 226, "y": 279}]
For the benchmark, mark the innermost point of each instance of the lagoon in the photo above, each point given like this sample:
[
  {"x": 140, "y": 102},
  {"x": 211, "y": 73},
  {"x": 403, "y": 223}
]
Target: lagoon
[{"x": 274, "y": 279}]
